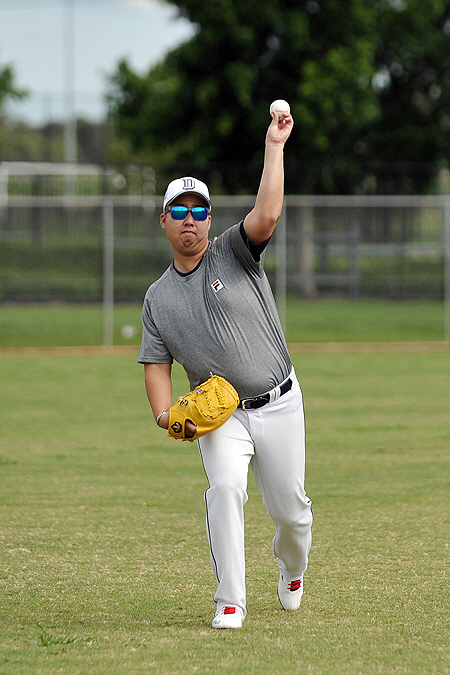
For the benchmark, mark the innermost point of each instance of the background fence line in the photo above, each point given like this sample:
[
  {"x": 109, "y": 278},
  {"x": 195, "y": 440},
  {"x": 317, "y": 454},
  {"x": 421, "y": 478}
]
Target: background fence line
[{"x": 108, "y": 248}]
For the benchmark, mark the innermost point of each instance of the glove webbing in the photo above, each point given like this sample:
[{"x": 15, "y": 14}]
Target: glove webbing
[{"x": 209, "y": 400}]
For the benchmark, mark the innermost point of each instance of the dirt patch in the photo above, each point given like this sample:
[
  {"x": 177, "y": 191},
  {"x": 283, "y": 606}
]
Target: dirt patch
[
  {"x": 368, "y": 347},
  {"x": 70, "y": 351},
  {"x": 294, "y": 348}
]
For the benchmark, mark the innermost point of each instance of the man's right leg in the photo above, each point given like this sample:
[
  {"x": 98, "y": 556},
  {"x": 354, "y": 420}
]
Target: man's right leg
[{"x": 226, "y": 454}]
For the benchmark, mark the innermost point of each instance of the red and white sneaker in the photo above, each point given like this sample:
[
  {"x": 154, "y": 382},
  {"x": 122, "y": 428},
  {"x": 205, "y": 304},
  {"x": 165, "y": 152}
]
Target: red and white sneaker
[
  {"x": 290, "y": 592},
  {"x": 228, "y": 617}
]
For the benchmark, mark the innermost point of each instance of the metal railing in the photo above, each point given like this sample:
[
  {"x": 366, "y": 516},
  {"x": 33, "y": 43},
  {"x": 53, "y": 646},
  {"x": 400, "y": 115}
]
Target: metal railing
[{"x": 96, "y": 248}]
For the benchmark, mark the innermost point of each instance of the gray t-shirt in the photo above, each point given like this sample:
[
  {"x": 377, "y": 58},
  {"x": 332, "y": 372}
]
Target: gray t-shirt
[{"x": 219, "y": 318}]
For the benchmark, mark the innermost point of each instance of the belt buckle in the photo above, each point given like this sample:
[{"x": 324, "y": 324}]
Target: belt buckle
[{"x": 244, "y": 402}]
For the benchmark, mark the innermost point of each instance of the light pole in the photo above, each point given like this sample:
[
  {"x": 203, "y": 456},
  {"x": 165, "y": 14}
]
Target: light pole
[{"x": 70, "y": 127}]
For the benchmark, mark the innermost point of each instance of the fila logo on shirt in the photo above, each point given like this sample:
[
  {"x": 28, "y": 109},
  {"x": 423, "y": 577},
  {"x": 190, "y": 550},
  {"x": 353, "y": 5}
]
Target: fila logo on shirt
[{"x": 216, "y": 285}]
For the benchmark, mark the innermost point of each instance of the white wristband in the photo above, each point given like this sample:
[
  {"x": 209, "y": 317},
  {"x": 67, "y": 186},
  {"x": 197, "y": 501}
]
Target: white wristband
[{"x": 160, "y": 415}]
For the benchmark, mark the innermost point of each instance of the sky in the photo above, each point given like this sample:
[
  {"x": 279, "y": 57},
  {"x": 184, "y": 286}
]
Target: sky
[{"x": 35, "y": 38}]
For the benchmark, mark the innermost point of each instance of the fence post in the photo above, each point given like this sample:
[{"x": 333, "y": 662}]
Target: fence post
[
  {"x": 305, "y": 253},
  {"x": 353, "y": 258},
  {"x": 447, "y": 269},
  {"x": 4, "y": 178},
  {"x": 108, "y": 272},
  {"x": 281, "y": 271}
]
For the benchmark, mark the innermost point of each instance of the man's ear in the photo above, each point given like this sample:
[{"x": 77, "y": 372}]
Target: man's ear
[{"x": 162, "y": 220}]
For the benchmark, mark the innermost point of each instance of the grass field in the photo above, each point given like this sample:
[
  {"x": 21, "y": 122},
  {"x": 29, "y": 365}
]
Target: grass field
[
  {"x": 104, "y": 564},
  {"x": 320, "y": 321}
]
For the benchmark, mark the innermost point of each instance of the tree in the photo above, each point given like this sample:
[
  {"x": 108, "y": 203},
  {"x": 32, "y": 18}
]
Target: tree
[
  {"x": 341, "y": 64},
  {"x": 7, "y": 87},
  {"x": 413, "y": 83},
  {"x": 208, "y": 100}
]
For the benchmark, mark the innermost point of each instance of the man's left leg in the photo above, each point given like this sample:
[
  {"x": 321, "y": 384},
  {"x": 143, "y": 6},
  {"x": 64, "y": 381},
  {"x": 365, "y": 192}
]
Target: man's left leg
[{"x": 278, "y": 432}]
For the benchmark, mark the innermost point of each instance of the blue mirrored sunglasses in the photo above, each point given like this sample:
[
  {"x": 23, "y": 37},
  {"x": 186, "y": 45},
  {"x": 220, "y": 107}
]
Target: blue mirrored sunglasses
[{"x": 180, "y": 212}]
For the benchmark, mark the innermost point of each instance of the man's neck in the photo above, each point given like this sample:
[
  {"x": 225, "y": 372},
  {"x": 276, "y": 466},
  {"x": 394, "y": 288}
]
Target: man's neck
[
  {"x": 186, "y": 274},
  {"x": 186, "y": 264}
]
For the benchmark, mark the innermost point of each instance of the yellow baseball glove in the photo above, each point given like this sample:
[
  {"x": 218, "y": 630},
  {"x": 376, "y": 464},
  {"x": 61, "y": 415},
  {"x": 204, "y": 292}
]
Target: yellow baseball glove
[{"x": 208, "y": 407}]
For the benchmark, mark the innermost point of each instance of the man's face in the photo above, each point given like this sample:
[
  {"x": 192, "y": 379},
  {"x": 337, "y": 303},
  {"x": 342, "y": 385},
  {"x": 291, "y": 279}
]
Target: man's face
[{"x": 187, "y": 236}]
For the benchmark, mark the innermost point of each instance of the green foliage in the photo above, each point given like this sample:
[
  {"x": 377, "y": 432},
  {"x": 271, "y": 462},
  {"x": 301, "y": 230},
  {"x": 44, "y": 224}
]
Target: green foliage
[
  {"x": 96, "y": 143},
  {"x": 366, "y": 81},
  {"x": 18, "y": 141},
  {"x": 20, "y": 144},
  {"x": 8, "y": 88},
  {"x": 213, "y": 92},
  {"x": 413, "y": 58}
]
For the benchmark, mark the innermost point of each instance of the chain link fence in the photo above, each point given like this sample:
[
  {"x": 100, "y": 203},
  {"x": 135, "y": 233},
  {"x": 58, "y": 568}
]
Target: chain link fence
[{"x": 83, "y": 239}]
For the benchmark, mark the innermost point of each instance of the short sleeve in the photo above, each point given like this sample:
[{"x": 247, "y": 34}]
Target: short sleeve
[{"x": 153, "y": 349}]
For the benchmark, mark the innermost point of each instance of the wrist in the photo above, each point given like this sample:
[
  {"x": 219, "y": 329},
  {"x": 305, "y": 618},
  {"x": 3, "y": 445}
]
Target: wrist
[
  {"x": 158, "y": 417},
  {"x": 274, "y": 145}
]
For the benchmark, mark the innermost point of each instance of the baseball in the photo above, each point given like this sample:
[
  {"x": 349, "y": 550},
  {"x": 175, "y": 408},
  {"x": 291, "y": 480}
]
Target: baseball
[
  {"x": 282, "y": 107},
  {"x": 128, "y": 332}
]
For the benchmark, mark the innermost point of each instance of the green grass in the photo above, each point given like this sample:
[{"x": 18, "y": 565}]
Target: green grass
[
  {"x": 104, "y": 564},
  {"x": 364, "y": 320},
  {"x": 313, "y": 321}
]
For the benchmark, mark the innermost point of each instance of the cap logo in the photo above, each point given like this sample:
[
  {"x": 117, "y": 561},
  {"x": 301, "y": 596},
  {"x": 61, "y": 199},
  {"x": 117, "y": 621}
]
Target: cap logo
[{"x": 188, "y": 184}]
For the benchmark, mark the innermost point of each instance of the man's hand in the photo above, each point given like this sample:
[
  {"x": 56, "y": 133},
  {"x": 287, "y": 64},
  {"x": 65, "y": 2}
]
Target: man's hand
[
  {"x": 190, "y": 429},
  {"x": 164, "y": 424},
  {"x": 279, "y": 130}
]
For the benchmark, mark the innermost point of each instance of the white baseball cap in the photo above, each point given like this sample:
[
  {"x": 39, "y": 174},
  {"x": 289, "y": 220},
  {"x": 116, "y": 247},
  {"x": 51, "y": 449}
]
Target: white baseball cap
[{"x": 186, "y": 185}]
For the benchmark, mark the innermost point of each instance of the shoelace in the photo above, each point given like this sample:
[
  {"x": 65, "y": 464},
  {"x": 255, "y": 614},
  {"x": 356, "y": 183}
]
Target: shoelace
[
  {"x": 229, "y": 610},
  {"x": 295, "y": 585}
]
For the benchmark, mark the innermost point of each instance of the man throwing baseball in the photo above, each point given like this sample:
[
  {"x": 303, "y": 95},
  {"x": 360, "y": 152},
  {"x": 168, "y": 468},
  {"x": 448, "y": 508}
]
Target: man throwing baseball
[{"x": 213, "y": 312}]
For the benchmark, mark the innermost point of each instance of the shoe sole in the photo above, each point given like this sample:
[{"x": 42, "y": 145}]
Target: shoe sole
[
  {"x": 289, "y": 609},
  {"x": 226, "y": 627}
]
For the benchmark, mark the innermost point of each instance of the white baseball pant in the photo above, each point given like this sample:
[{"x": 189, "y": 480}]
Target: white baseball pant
[{"x": 271, "y": 440}]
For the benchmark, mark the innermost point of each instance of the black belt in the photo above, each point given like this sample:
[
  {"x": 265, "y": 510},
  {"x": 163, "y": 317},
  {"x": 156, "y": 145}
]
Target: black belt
[{"x": 259, "y": 401}]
